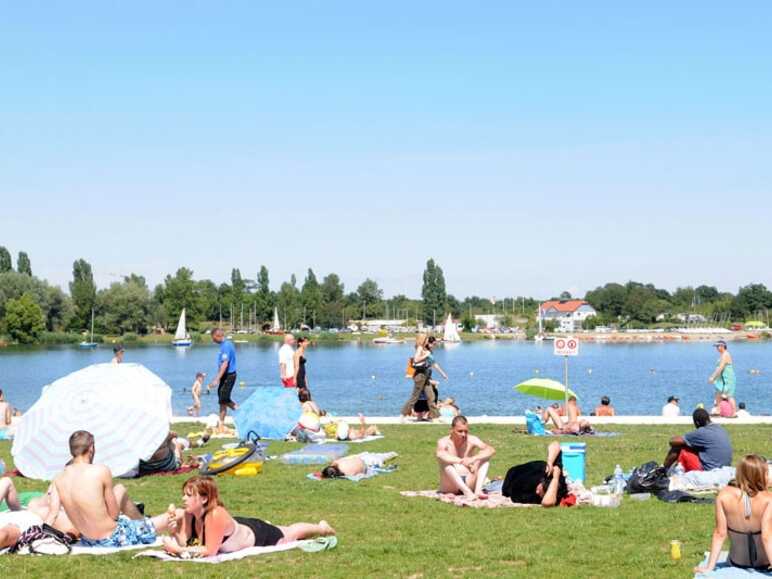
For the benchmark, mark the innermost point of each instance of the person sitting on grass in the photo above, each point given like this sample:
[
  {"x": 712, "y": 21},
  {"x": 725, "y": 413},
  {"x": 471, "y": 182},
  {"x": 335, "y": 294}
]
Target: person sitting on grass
[
  {"x": 356, "y": 464},
  {"x": 167, "y": 458},
  {"x": 537, "y": 482},
  {"x": 705, "y": 448},
  {"x": 102, "y": 513},
  {"x": 344, "y": 432},
  {"x": 463, "y": 460},
  {"x": 207, "y": 528},
  {"x": 744, "y": 512},
  {"x": 570, "y": 424}
]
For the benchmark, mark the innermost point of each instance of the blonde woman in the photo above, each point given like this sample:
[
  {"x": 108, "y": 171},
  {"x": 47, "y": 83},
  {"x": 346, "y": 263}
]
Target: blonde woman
[
  {"x": 744, "y": 512},
  {"x": 422, "y": 366}
]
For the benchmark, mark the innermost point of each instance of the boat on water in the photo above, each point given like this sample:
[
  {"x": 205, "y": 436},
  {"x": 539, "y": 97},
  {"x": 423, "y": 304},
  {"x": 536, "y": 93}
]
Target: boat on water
[
  {"x": 451, "y": 331},
  {"x": 181, "y": 336},
  {"x": 388, "y": 340},
  {"x": 91, "y": 344}
]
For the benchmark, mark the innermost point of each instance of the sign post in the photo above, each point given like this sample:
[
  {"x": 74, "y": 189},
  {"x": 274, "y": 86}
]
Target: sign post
[{"x": 567, "y": 346}]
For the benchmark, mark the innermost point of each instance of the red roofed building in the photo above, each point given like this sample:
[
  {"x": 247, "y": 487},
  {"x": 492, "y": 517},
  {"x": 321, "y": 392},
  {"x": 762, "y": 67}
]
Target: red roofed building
[{"x": 567, "y": 313}]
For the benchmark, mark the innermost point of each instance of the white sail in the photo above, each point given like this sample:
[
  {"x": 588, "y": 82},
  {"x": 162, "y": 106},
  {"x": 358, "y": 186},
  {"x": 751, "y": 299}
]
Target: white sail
[
  {"x": 451, "y": 332},
  {"x": 182, "y": 331},
  {"x": 276, "y": 326}
]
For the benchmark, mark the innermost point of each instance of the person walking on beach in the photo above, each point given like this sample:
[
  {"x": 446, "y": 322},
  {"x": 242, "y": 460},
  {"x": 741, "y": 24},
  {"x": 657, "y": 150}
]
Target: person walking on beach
[
  {"x": 226, "y": 375},
  {"x": 723, "y": 377},
  {"x": 422, "y": 367},
  {"x": 287, "y": 362}
]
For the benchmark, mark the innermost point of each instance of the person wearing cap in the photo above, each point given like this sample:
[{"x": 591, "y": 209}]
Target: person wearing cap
[
  {"x": 118, "y": 353},
  {"x": 723, "y": 377},
  {"x": 671, "y": 409}
]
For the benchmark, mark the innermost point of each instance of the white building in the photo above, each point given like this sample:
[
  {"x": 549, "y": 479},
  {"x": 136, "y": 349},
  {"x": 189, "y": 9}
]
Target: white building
[{"x": 568, "y": 314}]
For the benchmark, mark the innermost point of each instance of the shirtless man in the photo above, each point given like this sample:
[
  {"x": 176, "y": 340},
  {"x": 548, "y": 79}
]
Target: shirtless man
[
  {"x": 463, "y": 460},
  {"x": 102, "y": 513},
  {"x": 571, "y": 424}
]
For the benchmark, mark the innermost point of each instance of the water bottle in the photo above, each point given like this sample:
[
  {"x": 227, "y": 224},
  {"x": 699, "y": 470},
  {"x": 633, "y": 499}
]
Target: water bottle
[
  {"x": 619, "y": 481},
  {"x": 2, "y": 467}
]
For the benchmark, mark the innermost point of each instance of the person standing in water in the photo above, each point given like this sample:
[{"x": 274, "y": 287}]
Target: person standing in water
[
  {"x": 195, "y": 391},
  {"x": 723, "y": 377},
  {"x": 226, "y": 375}
]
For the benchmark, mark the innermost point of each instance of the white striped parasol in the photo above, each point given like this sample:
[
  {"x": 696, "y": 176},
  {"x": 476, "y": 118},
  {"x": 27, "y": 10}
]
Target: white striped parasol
[{"x": 125, "y": 406}]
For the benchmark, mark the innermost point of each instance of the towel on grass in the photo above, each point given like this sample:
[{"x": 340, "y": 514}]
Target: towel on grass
[
  {"x": 313, "y": 545},
  {"x": 699, "y": 480},
  {"x": 80, "y": 549},
  {"x": 726, "y": 569},
  {"x": 371, "y": 472},
  {"x": 494, "y": 500}
]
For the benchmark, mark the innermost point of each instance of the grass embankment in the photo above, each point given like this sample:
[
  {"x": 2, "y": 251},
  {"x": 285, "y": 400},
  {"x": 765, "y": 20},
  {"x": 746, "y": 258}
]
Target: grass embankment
[{"x": 382, "y": 534}]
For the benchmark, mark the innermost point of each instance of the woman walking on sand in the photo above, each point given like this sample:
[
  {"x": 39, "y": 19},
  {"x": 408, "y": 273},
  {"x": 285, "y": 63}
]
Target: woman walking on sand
[{"x": 421, "y": 363}]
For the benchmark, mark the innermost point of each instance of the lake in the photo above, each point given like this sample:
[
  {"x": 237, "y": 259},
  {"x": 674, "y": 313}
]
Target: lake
[{"x": 354, "y": 377}]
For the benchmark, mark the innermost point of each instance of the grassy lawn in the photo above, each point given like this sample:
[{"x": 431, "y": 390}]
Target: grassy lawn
[{"x": 382, "y": 534}]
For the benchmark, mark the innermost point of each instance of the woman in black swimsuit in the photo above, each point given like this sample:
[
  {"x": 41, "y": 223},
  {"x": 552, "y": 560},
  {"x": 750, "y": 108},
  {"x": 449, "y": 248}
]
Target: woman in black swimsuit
[
  {"x": 206, "y": 528},
  {"x": 301, "y": 381}
]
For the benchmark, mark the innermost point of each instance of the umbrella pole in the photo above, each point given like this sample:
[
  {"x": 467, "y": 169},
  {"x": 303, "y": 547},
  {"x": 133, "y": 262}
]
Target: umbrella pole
[{"x": 565, "y": 381}]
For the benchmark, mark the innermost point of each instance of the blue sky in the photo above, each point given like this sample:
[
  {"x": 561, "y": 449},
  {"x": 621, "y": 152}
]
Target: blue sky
[{"x": 528, "y": 147}]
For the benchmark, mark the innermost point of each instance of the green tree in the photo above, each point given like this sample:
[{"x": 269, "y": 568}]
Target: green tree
[
  {"x": 83, "y": 293},
  {"x": 264, "y": 298},
  {"x": 311, "y": 296},
  {"x": 751, "y": 299},
  {"x": 23, "y": 264},
  {"x": 208, "y": 304},
  {"x": 55, "y": 305},
  {"x": 5, "y": 260},
  {"x": 369, "y": 296},
  {"x": 333, "y": 293},
  {"x": 433, "y": 293},
  {"x": 179, "y": 291},
  {"x": 238, "y": 290},
  {"x": 289, "y": 303},
  {"x": 565, "y": 295},
  {"x": 24, "y": 319},
  {"x": 125, "y": 307}
]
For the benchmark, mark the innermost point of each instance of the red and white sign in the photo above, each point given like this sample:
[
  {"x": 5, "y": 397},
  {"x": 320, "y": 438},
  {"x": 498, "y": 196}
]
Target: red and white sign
[{"x": 566, "y": 346}]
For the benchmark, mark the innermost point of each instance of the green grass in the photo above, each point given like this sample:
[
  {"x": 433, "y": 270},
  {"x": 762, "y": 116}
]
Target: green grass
[{"x": 382, "y": 534}]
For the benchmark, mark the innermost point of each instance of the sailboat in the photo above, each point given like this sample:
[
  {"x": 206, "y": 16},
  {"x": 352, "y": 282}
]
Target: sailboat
[
  {"x": 181, "y": 336},
  {"x": 90, "y": 345},
  {"x": 451, "y": 332},
  {"x": 276, "y": 326}
]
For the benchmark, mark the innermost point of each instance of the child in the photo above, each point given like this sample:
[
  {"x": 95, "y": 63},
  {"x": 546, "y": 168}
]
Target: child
[{"x": 195, "y": 390}]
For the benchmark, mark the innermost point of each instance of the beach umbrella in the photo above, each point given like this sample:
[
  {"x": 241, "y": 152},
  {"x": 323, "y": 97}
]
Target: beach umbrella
[
  {"x": 125, "y": 406},
  {"x": 544, "y": 388},
  {"x": 270, "y": 412}
]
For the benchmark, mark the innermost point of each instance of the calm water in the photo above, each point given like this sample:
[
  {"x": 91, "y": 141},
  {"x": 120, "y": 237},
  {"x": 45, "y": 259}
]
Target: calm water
[{"x": 350, "y": 378}]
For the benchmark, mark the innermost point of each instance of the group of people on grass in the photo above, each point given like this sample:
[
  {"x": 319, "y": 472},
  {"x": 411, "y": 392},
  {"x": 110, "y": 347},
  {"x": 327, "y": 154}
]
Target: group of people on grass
[{"x": 83, "y": 502}]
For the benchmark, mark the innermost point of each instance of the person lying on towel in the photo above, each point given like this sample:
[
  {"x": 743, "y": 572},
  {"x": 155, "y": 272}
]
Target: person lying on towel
[
  {"x": 537, "y": 482},
  {"x": 206, "y": 528},
  {"x": 356, "y": 464},
  {"x": 706, "y": 448}
]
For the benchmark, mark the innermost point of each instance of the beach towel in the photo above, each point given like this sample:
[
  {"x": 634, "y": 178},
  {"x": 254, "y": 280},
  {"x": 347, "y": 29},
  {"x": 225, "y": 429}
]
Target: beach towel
[
  {"x": 366, "y": 439},
  {"x": 702, "y": 481},
  {"x": 725, "y": 569},
  {"x": 371, "y": 472},
  {"x": 310, "y": 546},
  {"x": 494, "y": 500},
  {"x": 80, "y": 549}
]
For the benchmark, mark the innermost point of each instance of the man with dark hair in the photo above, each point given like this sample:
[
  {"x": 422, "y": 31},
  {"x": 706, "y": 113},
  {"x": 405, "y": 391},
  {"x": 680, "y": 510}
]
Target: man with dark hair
[
  {"x": 102, "y": 513},
  {"x": 705, "y": 448},
  {"x": 463, "y": 460},
  {"x": 226, "y": 375}
]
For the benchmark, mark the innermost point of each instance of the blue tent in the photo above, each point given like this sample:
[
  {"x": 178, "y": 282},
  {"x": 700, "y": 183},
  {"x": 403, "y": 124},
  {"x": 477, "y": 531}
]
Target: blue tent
[{"x": 270, "y": 412}]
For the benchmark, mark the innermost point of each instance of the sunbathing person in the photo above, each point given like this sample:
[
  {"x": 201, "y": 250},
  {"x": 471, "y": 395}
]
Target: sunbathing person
[
  {"x": 463, "y": 461},
  {"x": 570, "y": 424},
  {"x": 537, "y": 482},
  {"x": 207, "y": 528},
  {"x": 345, "y": 432},
  {"x": 167, "y": 458},
  {"x": 744, "y": 512},
  {"x": 706, "y": 448},
  {"x": 356, "y": 464},
  {"x": 102, "y": 513}
]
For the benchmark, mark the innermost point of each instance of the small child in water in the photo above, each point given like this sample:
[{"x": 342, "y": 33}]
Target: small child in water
[{"x": 195, "y": 391}]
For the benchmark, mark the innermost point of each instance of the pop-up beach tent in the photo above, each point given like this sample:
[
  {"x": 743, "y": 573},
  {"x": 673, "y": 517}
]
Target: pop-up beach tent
[
  {"x": 125, "y": 406},
  {"x": 270, "y": 412}
]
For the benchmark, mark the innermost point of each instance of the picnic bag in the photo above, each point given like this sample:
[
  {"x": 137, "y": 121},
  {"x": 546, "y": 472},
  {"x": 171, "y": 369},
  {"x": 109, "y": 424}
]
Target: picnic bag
[
  {"x": 43, "y": 540},
  {"x": 648, "y": 478},
  {"x": 410, "y": 370}
]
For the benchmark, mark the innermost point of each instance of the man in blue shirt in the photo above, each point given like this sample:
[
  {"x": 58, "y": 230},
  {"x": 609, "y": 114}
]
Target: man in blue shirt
[
  {"x": 706, "y": 448},
  {"x": 226, "y": 375}
]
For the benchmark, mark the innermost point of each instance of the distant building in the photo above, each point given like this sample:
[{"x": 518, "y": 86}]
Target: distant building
[
  {"x": 488, "y": 321},
  {"x": 568, "y": 314}
]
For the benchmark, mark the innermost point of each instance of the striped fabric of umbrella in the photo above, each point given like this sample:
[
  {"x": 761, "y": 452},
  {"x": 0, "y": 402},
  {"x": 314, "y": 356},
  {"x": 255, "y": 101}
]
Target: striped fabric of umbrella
[{"x": 125, "y": 406}]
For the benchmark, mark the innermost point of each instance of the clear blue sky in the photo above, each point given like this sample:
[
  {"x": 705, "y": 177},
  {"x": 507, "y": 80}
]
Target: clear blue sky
[{"x": 528, "y": 147}]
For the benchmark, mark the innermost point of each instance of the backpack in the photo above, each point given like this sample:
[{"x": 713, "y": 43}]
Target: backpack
[{"x": 648, "y": 478}]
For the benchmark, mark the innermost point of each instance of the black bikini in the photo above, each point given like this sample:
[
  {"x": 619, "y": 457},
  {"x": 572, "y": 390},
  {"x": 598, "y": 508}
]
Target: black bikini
[{"x": 266, "y": 534}]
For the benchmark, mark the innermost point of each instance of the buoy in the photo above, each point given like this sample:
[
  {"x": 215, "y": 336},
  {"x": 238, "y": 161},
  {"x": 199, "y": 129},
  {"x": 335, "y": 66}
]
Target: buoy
[
  {"x": 373, "y": 376},
  {"x": 589, "y": 370},
  {"x": 536, "y": 370},
  {"x": 471, "y": 373}
]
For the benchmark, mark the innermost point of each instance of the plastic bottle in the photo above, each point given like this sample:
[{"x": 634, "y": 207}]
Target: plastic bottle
[
  {"x": 619, "y": 481},
  {"x": 2, "y": 467}
]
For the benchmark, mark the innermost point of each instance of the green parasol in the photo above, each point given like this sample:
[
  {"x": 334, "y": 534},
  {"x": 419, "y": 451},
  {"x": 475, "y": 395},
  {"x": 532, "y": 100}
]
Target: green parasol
[{"x": 544, "y": 388}]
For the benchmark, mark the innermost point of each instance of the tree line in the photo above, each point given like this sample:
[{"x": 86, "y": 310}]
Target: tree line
[{"x": 32, "y": 310}]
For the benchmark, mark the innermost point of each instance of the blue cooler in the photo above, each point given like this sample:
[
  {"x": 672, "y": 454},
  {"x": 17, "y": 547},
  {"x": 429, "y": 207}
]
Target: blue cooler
[{"x": 573, "y": 460}]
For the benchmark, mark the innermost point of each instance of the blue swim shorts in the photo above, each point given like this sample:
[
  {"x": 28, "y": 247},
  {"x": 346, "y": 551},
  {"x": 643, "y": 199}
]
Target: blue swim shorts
[{"x": 127, "y": 532}]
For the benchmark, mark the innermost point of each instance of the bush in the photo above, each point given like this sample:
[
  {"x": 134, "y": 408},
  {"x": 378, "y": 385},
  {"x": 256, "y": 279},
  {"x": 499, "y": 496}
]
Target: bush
[
  {"x": 59, "y": 338},
  {"x": 129, "y": 337},
  {"x": 24, "y": 319}
]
